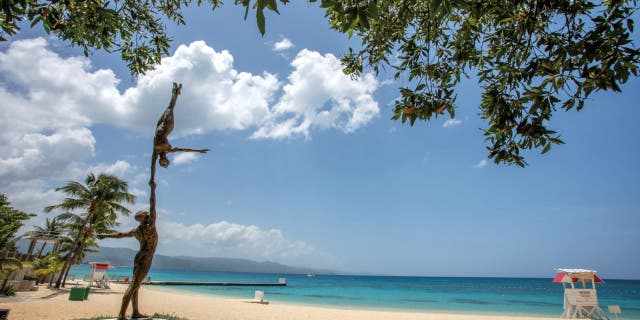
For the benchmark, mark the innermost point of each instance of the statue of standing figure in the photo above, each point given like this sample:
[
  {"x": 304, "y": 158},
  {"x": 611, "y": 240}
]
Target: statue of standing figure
[
  {"x": 146, "y": 232},
  {"x": 147, "y": 235}
]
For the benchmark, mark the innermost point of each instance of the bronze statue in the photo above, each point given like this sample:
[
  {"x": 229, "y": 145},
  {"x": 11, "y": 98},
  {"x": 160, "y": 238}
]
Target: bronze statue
[
  {"x": 164, "y": 127},
  {"x": 146, "y": 232},
  {"x": 147, "y": 235}
]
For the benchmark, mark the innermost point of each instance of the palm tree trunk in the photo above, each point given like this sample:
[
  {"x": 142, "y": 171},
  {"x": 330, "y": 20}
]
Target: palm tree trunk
[
  {"x": 66, "y": 274},
  {"x": 32, "y": 245},
  {"x": 51, "y": 277},
  {"x": 72, "y": 252},
  {"x": 55, "y": 247},
  {"x": 62, "y": 279},
  {"x": 64, "y": 267},
  {"x": 41, "y": 249},
  {"x": 75, "y": 257}
]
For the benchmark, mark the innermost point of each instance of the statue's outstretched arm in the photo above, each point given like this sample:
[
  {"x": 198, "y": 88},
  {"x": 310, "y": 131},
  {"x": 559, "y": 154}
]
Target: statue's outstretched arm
[
  {"x": 118, "y": 235},
  {"x": 187, "y": 150}
]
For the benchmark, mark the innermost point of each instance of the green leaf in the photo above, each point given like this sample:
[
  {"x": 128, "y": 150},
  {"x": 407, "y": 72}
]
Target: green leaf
[
  {"x": 373, "y": 10},
  {"x": 246, "y": 11},
  {"x": 546, "y": 148},
  {"x": 260, "y": 20},
  {"x": 273, "y": 6},
  {"x": 435, "y": 4},
  {"x": 36, "y": 20}
]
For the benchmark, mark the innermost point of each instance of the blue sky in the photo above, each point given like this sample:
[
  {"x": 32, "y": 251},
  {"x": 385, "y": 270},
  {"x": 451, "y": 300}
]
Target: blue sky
[{"x": 307, "y": 169}]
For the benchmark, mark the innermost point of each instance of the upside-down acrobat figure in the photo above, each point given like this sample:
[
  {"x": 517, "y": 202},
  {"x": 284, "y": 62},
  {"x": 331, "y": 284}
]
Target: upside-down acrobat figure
[{"x": 164, "y": 127}]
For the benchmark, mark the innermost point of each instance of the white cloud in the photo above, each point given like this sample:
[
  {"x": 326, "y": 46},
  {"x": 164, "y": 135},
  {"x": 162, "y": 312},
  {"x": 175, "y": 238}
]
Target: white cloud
[
  {"x": 282, "y": 45},
  {"x": 119, "y": 168},
  {"x": 229, "y": 239},
  {"x": 483, "y": 163},
  {"x": 64, "y": 93},
  {"x": 185, "y": 157},
  {"x": 224, "y": 239},
  {"x": 452, "y": 123},
  {"x": 387, "y": 82},
  {"x": 319, "y": 95}
]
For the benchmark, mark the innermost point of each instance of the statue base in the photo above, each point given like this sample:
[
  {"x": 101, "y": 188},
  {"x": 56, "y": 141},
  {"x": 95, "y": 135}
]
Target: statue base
[{"x": 147, "y": 318}]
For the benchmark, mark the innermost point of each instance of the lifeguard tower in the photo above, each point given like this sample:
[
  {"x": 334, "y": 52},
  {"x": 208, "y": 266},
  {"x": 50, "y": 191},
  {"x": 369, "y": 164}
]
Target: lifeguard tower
[
  {"x": 98, "y": 276},
  {"x": 580, "y": 300}
]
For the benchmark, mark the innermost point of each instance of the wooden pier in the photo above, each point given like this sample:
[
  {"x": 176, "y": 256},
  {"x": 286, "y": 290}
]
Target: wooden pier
[
  {"x": 238, "y": 284},
  {"x": 281, "y": 283}
]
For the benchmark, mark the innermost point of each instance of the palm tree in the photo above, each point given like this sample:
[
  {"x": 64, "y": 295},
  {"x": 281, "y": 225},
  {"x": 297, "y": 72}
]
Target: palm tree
[
  {"x": 101, "y": 198},
  {"x": 47, "y": 266},
  {"x": 11, "y": 220},
  {"x": 52, "y": 229},
  {"x": 99, "y": 224}
]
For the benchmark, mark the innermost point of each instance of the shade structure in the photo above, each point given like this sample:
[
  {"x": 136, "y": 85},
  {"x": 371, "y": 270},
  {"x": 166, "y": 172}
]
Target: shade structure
[
  {"x": 560, "y": 278},
  {"x": 575, "y": 275},
  {"x": 103, "y": 266}
]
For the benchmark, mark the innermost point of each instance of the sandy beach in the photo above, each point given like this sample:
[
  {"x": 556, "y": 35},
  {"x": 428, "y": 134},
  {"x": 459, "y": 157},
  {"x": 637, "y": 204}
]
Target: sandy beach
[{"x": 54, "y": 305}]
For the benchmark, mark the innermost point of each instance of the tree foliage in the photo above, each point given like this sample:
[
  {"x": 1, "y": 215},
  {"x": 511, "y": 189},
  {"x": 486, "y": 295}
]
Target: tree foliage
[
  {"x": 100, "y": 200},
  {"x": 134, "y": 28},
  {"x": 47, "y": 266},
  {"x": 10, "y": 222},
  {"x": 530, "y": 57}
]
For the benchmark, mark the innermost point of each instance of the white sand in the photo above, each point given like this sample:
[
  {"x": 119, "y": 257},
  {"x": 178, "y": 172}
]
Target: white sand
[{"x": 50, "y": 304}]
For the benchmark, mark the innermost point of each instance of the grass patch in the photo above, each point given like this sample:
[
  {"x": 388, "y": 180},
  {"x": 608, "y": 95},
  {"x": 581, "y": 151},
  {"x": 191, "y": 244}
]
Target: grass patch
[{"x": 155, "y": 315}]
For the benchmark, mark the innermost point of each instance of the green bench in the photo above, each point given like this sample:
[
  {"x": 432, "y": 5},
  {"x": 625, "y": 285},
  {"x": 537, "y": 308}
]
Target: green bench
[{"x": 79, "y": 293}]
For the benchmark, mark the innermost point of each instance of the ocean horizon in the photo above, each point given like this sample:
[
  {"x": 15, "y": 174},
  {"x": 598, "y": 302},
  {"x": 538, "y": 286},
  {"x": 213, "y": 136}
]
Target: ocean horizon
[{"x": 473, "y": 295}]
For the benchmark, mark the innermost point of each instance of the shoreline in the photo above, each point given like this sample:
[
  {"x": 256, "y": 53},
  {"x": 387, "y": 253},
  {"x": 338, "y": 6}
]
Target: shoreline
[
  {"x": 54, "y": 304},
  {"x": 361, "y": 307}
]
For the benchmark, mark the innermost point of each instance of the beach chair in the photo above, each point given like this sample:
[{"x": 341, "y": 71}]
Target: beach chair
[
  {"x": 258, "y": 297},
  {"x": 615, "y": 310}
]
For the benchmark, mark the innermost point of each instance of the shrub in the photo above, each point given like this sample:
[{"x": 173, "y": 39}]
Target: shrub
[{"x": 9, "y": 291}]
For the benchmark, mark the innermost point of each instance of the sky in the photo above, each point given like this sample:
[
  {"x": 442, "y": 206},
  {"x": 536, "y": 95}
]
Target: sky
[{"x": 306, "y": 168}]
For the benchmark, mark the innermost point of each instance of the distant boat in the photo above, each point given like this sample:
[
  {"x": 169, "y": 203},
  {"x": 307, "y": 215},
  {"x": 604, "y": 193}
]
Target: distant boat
[{"x": 310, "y": 275}]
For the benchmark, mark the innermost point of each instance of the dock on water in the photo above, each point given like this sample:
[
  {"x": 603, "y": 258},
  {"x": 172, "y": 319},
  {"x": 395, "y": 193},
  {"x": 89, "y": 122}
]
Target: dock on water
[
  {"x": 281, "y": 283},
  {"x": 239, "y": 284}
]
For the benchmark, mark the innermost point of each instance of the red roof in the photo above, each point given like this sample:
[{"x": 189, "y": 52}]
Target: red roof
[
  {"x": 101, "y": 266},
  {"x": 559, "y": 277},
  {"x": 562, "y": 277}
]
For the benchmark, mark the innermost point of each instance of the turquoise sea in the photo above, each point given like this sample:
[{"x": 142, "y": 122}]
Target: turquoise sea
[{"x": 509, "y": 296}]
